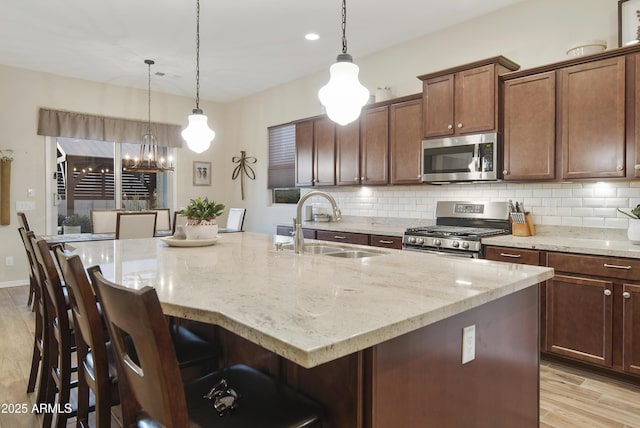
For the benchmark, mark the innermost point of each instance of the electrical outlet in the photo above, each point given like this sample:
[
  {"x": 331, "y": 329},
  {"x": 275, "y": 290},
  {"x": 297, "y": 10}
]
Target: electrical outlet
[
  {"x": 468, "y": 344},
  {"x": 8, "y": 261}
]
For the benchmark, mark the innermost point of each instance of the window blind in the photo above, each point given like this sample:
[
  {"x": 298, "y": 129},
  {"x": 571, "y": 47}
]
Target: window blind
[{"x": 282, "y": 156}]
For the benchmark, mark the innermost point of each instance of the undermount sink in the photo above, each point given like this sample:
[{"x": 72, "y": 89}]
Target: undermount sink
[
  {"x": 353, "y": 254},
  {"x": 322, "y": 249}
]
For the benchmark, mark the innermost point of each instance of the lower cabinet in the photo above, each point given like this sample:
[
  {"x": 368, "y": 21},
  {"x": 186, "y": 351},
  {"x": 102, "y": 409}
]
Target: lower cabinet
[
  {"x": 344, "y": 237},
  {"x": 288, "y": 231},
  {"x": 383, "y": 241}
]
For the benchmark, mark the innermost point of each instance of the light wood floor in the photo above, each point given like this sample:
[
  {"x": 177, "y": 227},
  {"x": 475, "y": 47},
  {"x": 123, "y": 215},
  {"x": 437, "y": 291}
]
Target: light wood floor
[{"x": 568, "y": 397}]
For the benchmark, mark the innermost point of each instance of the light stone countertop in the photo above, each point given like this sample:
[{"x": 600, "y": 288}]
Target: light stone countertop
[
  {"x": 310, "y": 309},
  {"x": 580, "y": 240}
]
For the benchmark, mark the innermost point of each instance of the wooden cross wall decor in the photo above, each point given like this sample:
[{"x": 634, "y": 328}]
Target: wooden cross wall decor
[{"x": 243, "y": 169}]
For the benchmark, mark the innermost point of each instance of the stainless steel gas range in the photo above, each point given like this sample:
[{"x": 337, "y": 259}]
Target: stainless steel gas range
[{"x": 460, "y": 225}]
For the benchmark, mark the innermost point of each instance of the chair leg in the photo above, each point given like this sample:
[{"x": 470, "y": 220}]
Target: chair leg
[
  {"x": 64, "y": 390},
  {"x": 36, "y": 358},
  {"x": 83, "y": 400}
]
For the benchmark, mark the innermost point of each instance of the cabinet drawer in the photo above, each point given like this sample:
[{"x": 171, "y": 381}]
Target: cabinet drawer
[
  {"x": 386, "y": 241},
  {"x": 611, "y": 267},
  {"x": 346, "y": 237},
  {"x": 288, "y": 231},
  {"x": 512, "y": 255}
]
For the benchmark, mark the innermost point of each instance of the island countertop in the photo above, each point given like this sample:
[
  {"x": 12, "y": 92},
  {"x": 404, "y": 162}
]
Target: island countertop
[{"x": 307, "y": 308}]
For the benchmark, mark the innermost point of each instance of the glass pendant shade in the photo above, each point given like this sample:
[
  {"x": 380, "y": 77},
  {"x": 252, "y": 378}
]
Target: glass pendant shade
[
  {"x": 344, "y": 95},
  {"x": 197, "y": 134}
]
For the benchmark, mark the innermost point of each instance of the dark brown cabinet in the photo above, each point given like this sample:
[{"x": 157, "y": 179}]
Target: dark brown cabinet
[
  {"x": 529, "y": 134},
  {"x": 631, "y": 328},
  {"x": 315, "y": 152},
  {"x": 344, "y": 237},
  {"x": 405, "y": 141},
  {"x": 288, "y": 231},
  {"x": 374, "y": 145},
  {"x": 463, "y": 100},
  {"x": 592, "y": 126},
  {"x": 348, "y": 154},
  {"x": 385, "y": 241}
]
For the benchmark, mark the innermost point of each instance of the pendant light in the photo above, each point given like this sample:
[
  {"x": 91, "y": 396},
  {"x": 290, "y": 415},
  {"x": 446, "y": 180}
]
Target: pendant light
[
  {"x": 344, "y": 95},
  {"x": 197, "y": 134},
  {"x": 148, "y": 160}
]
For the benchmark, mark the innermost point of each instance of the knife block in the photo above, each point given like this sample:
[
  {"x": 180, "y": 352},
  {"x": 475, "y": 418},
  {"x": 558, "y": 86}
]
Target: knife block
[{"x": 524, "y": 229}]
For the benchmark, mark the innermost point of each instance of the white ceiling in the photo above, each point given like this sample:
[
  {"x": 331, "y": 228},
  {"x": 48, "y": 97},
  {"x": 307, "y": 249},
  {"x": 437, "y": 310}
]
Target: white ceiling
[{"x": 245, "y": 45}]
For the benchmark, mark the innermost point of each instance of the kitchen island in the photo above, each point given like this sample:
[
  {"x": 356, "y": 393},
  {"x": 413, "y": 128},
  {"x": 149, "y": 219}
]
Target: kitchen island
[{"x": 377, "y": 340}]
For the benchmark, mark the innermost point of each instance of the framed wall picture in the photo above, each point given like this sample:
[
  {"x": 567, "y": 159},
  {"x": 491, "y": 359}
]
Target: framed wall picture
[
  {"x": 201, "y": 173},
  {"x": 628, "y": 22}
]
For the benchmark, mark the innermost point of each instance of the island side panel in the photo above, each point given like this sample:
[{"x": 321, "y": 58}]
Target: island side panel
[{"x": 419, "y": 378}]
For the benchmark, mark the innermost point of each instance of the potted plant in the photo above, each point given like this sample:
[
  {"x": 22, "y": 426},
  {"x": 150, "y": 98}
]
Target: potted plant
[
  {"x": 72, "y": 224},
  {"x": 201, "y": 218},
  {"x": 633, "y": 232}
]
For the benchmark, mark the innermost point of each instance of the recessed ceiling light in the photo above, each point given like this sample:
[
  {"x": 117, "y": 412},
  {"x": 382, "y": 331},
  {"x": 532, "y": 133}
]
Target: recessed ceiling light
[{"x": 311, "y": 36}]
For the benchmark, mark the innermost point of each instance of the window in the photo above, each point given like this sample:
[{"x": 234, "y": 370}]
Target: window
[{"x": 282, "y": 156}]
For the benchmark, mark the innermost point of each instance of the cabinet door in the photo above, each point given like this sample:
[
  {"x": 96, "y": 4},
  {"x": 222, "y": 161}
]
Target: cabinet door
[
  {"x": 636, "y": 164},
  {"x": 344, "y": 237},
  {"x": 437, "y": 98},
  {"x": 374, "y": 143},
  {"x": 405, "y": 142},
  {"x": 385, "y": 241},
  {"x": 304, "y": 153},
  {"x": 348, "y": 154},
  {"x": 324, "y": 142},
  {"x": 579, "y": 319},
  {"x": 593, "y": 119},
  {"x": 475, "y": 100},
  {"x": 630, "y": 329},
  {"x": 529, "y": 137}
]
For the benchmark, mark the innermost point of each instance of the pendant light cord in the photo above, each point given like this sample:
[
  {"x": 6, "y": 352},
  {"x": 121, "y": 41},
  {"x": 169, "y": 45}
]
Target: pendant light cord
[
  {"x": 197, "y": 54},
  {"x": 344, "y": 26},
  {"x": 149, "y": 62}
]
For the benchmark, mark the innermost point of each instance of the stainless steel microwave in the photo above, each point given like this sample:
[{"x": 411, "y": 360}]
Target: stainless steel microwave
[{"x": 464, "y": 158}]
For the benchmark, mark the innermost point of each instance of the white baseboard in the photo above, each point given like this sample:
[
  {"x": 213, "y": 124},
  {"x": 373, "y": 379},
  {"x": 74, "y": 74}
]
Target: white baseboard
[{"x": 17, "y": 283}]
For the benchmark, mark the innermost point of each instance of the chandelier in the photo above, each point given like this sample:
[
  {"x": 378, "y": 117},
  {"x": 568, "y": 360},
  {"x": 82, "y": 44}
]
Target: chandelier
[{"x": 148, "y": 160}]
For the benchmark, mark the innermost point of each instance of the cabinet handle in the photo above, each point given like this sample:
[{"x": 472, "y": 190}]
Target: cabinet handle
[
  {"x": 617, "y": 266},
  {"x": 355, "y": 178},
  {"x": 460, "y": 125},
  {"x": 619, "y": 168},
  {"x": 607, "y": 292},
  {"x": 384, "y": 241},
  {"x": 362, "y": 178},
  {"x": 505, "y": 172},
  {"x": 626, "y": 295},
  {"x": 513, "y": 256},
  {"x": 339, "y": 237},
  {"x": 450, "y": 127},
  {"x": 636, "y": 167}
]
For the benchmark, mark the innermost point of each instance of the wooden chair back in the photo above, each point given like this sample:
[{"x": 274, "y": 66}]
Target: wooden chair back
[
  {"x": 150, "y": 379},
  {"x": 235, "y": 219},
  {"x": 131, "y": 225},
  {"x": 22, "y": 220},
  {"x": 104, "y": 221},
  {"x": 163, "y": 220}
]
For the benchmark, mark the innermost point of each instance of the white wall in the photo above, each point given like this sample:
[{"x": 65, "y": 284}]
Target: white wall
[{"x": 531, "y": 33}]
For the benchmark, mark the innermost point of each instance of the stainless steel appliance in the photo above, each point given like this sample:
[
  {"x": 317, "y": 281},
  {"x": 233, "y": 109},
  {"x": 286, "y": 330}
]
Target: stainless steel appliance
[
  {"x": 464, "y": 158},
  {"x": 459, "y": 227}
]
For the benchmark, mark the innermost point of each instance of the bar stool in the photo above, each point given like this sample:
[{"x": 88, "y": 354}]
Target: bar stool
[
  {"x": 148, "y": 379},
  {"x": 24, "y": 223},
  {"x": 40, "y": 356}
]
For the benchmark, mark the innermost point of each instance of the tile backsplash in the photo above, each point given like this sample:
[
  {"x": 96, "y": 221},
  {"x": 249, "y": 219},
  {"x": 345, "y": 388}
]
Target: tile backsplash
[{"x": 566, "y": 204}]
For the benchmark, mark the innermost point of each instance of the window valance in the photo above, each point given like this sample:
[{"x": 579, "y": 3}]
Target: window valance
[{"x": 57, "y": 123}]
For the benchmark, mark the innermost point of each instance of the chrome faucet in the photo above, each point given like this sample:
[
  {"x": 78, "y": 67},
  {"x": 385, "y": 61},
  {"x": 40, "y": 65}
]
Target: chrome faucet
[{"x": 298, "y": 236}]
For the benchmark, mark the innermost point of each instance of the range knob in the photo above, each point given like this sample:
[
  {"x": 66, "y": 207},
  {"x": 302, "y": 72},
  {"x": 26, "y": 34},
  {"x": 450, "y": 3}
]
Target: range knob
[
  {"x": 420, "y": 241},
  {"x": 455, "y": 244},
  {"x": 437, "y": 242},
  {"x": 465, "y": 245},
  {"x": 412, "y": 239}
]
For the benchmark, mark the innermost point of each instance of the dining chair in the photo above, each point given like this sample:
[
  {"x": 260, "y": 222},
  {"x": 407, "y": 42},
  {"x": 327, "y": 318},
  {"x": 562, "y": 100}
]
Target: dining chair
[
  {"x": 40, "y": 354},
  {"x": 163, "y": 221},
  {"x": 148, "y": 380},
  {"x": 104, "y": 221},
  {"x": 60, "y": 339},
  {"x": 24, "y": 223},
  {"x": 139, "y": 224},
  {"x": 235, "y": 220},
  {"x": 96, "y": 362}
]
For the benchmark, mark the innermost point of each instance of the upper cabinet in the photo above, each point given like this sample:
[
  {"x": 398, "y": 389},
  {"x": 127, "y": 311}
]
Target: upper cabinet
[
  {"x": 405, "y": 141},
  {"x": 463, "y": 100},
  {"x": 348, "y": 154},
  {"x": 529, "y": 134},
  {"x": 592, "y": 103},
  {"x": 374, "y": 145},
  {"x": 315, "y": 152}
]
